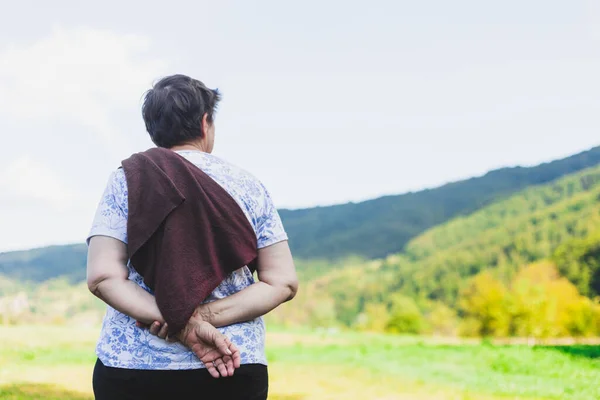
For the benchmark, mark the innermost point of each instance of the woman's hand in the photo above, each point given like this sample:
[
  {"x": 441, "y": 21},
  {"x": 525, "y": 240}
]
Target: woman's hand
[
  {"x": 157, "y": 329},
  {"x": 215, "y": 350}
]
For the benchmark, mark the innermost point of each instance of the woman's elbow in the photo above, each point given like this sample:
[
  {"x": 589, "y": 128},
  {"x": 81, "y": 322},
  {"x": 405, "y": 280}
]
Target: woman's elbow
[
  {"x": 97, "y": 283},
  {"x": 93, "y": 284},
  {"x": 292, "y": 289}
]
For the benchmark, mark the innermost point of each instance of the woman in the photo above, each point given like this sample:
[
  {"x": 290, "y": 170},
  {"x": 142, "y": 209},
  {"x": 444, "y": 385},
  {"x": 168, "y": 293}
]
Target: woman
[{"x": 136, "y": 363}]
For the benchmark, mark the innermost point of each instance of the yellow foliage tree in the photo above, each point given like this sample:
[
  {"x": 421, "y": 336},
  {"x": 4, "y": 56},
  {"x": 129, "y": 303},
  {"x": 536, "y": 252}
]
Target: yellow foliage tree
[
  {"x": 544, "y": 304},
  {"x": 484, "y": 303},
  {"x": 375, "y": 318},
  {"x": 533, "y": 310},
  {"x": 539, "y": 304},
  {"x": 442, "y": 320}
]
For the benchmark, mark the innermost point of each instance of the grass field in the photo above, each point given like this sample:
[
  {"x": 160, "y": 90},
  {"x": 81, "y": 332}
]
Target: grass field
[{"x": 56, "y": 363}]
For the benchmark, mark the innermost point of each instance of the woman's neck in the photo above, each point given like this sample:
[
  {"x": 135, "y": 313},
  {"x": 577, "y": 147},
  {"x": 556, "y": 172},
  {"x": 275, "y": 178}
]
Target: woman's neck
[{"x": 193, "y": 147}]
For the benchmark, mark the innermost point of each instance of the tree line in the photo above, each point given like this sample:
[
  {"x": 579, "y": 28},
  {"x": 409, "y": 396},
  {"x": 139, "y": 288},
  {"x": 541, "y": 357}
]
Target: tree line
[{"x": 528, "y": 265}]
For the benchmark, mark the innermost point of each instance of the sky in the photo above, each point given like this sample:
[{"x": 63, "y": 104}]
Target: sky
[{"x": 326, "y": 102}]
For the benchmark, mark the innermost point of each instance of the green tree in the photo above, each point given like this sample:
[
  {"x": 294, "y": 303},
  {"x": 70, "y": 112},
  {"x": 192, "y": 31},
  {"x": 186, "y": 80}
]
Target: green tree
[
  {"x": 579, "y": 260},
  {"x": 404, "y": 315}
]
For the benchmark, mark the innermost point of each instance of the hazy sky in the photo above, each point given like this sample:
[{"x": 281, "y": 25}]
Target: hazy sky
[{"x": 326, "y": 102}]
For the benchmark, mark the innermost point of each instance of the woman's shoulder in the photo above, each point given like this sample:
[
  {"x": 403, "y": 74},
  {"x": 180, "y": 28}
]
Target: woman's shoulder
[
  {"x": 226, "y": 170},
  {"x": 118, "y": 182},
  {"x": 116, "y": 188}
]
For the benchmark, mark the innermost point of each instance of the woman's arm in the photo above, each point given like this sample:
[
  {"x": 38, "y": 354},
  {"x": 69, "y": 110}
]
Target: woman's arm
[
  {"x": 107, "y": 279},
  {"x": 278, "y": 284}
]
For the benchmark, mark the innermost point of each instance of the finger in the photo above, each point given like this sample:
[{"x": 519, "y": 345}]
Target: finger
[
  {"x": 212, "y": 370},
  {"x": 206, "y": 358},
  {"x": 141, "y": 325},
  {"x": 229, "y": 364},
  {"x": 222, "y": 345},
  {"x": 235, "y": 353},
  {"x": 234, "y": 360},
  {"x": 155, "y": 328},
  {"x": 221, "y": 367},
  {"x": 237, "y": 359},
  {"x": 163, "y": 331}
]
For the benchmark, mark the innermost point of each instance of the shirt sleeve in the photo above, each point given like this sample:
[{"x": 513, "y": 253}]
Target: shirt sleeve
[
  {"x": 111, "y": 214},
  {"x": 270, "y": 227}
]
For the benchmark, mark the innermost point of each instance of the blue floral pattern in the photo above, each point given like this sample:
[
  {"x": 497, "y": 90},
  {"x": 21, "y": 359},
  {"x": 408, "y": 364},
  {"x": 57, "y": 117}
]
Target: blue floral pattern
[{"x": 121, "y": 343}]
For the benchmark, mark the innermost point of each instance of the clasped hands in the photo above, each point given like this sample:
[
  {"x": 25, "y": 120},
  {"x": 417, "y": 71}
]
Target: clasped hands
[{"x": 215, "y": 350}]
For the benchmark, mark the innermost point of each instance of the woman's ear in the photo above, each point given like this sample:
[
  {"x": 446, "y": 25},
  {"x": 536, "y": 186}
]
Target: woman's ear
[{"x": 205, "y": 125}]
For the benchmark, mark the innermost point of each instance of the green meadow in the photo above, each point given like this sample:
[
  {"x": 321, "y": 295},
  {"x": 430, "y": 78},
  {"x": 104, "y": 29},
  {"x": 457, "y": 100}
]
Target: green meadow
[{"x": 51, "y": 362}]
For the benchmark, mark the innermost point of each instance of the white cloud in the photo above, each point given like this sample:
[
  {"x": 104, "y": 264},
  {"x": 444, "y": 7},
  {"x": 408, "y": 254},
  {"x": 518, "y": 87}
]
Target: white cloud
[
  {"x": 78, "y": 75},
  {"x": 29, "y": 179},
  {"x": 67, "y": 105}
]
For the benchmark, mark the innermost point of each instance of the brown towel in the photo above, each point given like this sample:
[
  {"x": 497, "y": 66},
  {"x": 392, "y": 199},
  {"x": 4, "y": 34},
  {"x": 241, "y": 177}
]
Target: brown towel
[{"x": 185, "y": 232}]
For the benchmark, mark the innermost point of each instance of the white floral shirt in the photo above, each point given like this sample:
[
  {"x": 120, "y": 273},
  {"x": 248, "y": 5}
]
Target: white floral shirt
[{"x": 121, "y": 343}]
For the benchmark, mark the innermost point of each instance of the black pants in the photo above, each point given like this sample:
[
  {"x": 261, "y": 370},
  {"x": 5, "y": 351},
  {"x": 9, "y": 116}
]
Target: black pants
[{"x": 250, "y": 382}]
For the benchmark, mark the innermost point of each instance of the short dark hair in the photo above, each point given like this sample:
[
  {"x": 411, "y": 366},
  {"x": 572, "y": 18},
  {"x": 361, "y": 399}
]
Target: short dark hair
[{"x": 174, "y": 107}]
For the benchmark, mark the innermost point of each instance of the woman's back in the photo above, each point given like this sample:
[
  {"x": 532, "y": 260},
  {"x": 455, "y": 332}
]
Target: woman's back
[{"x": 121, "y": 344}]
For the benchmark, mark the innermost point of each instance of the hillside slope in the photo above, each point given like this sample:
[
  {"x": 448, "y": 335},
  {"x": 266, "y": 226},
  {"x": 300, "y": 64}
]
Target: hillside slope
[
  {"x": 559, "y": 222},
  {"x": 370, "y": 229},
  {"x": 382, "y": 226},
  {"x": 41, "y": 264},
  {"x": 507, "y": 235}
]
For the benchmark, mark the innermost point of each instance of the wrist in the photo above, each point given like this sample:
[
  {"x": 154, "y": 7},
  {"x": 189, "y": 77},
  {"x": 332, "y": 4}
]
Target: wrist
[
  {"x": 188, "y": 330},
  {"x": 202, "y": 313}
]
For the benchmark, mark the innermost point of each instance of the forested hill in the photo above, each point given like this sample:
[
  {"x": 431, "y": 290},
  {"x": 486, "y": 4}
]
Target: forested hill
[
  {"x": 383, "y": 226},
  {"x": 535, "y": 224},
  {"x": 369, "y": 229},
  {"x": 500, "y": 265},
  {"x": 41, "y": 264}
]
